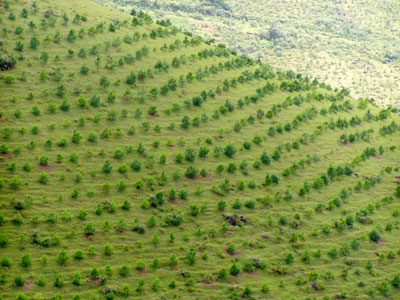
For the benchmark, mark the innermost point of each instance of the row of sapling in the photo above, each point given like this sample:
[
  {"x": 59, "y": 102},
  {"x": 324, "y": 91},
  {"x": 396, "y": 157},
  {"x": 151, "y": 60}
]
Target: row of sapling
[{"x": 174, "y": 219}]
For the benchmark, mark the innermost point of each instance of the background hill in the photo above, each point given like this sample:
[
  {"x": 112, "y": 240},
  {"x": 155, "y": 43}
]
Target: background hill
[
  {"x": 138, "y": 162},
  {"x": 354, "y": 44}
]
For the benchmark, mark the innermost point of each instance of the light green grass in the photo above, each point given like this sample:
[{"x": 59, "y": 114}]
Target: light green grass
[
  {"x": 207, "y": 232},
  {"x": 353, "y": 44}
]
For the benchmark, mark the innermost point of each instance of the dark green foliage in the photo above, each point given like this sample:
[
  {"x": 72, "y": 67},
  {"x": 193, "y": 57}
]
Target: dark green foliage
[
  {"x": 397, "y": 193},
  {"x": 84, "y": 69},
  {"x": 124, "y": 271},
  {"x": 77, "y": 279},
  {"x": 375, "y": 235},
  {"x": 157, "y": 200},
  {"x": 174, "y": 219},
  {"x": 139, "y": 228},
  {"x": 3, "y": 240},
  {"x": 230, "y": 150},
  {"x": 19, "y": 281},
  {"x": 89, "y": 229},
  {"x": 265, "y": 158},
  {"x": 26, "y": 260},
  {"x": 191, "y": 172},
  {"x": 107, "y": 167},
  {"x": 6, "y": 262},
  {"x": 396, "y": 281},
  {"x": 34, "y": 42},
  {"x": 59, "y": 282},
  {"x": 78, "y": 254},
  {"x": 7, "y": 63},
  {"x": 131, "y": 79},
  {"x": 90, "y": 97},
  {"x": 235, "y": 270},
  {"x": 190, "y": 257}
]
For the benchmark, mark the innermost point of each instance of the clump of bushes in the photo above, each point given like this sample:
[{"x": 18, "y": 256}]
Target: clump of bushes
[{"x": 7, "y": 63}]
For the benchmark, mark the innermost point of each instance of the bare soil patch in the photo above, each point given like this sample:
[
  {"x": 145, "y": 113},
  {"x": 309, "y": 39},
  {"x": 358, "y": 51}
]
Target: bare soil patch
[
  {"x": 125, "y": 232},
  {"x": 381, "y": 241},
  {"x": 94, "y": 281},
  {"x": 90, "y": 237},
  {"x": 209, "y": 282},
  {"x": 253, "y": 273},
  {"x": 177, "y": 201},
  {"x": 144, "y": 271},
  {"x": 346, "y": 144},
  {"x": 154, "y": 116},
  {"x": 193, "y": 179},
  {"x": 48, "y": 168},
  {"x": 237, "y": 252},
  {"x": 28, "y": 285}
]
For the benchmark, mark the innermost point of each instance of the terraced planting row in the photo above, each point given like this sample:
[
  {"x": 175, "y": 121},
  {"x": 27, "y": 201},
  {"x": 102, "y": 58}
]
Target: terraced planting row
[{"x": 140, "y": 162}]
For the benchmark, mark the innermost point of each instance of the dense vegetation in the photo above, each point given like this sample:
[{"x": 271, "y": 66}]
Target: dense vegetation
[
  {"x": 140, "y": 162},
  {"x": 354, "y": 44}
]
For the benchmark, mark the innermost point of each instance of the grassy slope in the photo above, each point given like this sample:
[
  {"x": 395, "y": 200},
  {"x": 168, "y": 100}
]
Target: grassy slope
[
  {"x": 343, "y": 43},
  {"x": 206, "y": 232}
]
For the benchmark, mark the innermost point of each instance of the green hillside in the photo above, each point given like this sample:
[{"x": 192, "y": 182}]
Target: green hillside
[
  {"x": 138, "y": 162},
  {"x": 352, "y": 44}
]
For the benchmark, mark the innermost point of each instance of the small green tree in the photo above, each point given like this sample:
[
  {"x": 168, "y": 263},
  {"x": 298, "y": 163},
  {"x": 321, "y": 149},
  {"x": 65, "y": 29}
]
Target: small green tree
[
  {"x": 26, "y": 261},
  {"x": 84, "y": 69},
  {"x": 108, "y": 249},
  {"x": 44, "y": 57},
  {"x": 94, "y": 273},
  {"x": 107, "y": 167},
  {"x": 41, "y": 281},
  {"x": 375, "y": 235},
  {"x": 230, "y": 150},
  {"x": 44, "y": 160},
  {"x": 383, "y": 288},
  {"x": 19, "y": 46},
  {"x": 62, "y": 258},
  {"x": 19, "y": 281},
  {"x": 398, "y": 191},
  {"x": 71, "y": 37},
  {"x": 3, "y": 240},
  {"x": 76, "y": 137},
  {"x": 231, "y": 249},
  {"x": 222, "y": 274},
  {"x": 44, "y": 178},
  {"x": 173, "y": 260},
  {"x": 396, "y": 281},
  {"x": 6, "y": 262},
  {"x": 289, "y": 258},
  {"x": 59, "y": 282},
  {"x": 78, "y": 255},
  {"x": 131, "y": 78},
  {"x": 190, "y": 257},
  {"x": 191, "y": 172},
  {"x": 77, "y": 279},
  {"x": 235, "y": 270},
  {"x": 90, "y": 229},
  {"x": 34, "y": 42},
  {"x": 124, "y": 271},
  {"x": 140, "y": 265}
]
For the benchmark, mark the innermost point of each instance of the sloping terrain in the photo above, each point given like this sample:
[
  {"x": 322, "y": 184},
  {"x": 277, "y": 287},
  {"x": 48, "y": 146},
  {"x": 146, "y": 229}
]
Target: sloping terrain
[
  {"x": 352, "y": 44},
  {"x": 138, "y": 162}
]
